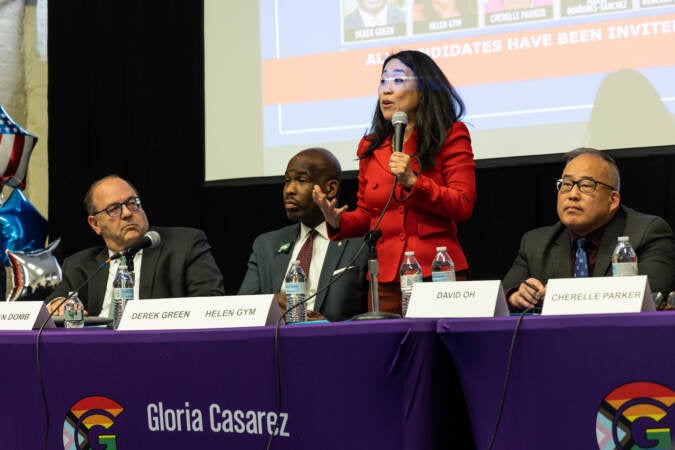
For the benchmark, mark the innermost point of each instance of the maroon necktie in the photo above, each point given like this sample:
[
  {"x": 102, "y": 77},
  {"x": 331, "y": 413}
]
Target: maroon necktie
[{"x": 305, "y": 255}]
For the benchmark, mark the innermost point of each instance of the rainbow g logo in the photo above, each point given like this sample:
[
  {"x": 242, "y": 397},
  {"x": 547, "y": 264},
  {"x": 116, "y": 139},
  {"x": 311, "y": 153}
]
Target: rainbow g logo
[
  {"x": 636, "y": 416},
  {"x": 86, "y": 414}
]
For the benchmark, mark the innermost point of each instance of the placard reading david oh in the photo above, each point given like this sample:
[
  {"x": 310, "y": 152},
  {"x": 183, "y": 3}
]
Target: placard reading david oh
[{"x": 457, "y": 299}]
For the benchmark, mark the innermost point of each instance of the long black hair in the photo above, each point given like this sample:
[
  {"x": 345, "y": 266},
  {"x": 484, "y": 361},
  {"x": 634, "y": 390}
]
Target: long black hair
[{"x": 440, "y": 107}]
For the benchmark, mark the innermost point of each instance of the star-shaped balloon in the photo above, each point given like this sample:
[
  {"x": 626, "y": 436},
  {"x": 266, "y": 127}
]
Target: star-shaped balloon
[
  {"x": 16, "y": 146},
  {"x": 35, "y": 274},
  {"x": 22, "y": 227}
]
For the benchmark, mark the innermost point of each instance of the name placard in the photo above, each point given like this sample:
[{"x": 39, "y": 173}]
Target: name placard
[
  {"x": 597, "y": 295},
  {"x": 24, "y": 316},
  {"x": 200, "y": 312},
  {"x": 457, "y": 299}
]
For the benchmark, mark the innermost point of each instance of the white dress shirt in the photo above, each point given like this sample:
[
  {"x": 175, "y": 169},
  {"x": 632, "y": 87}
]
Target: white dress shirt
[
  {"x": 319, "y": 249},
  {"x": 374, "y": 20},
  {"x": 112, "y": 271}
]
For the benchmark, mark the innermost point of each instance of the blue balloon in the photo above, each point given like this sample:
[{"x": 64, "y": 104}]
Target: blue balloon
[{"x": 22, "y": 227}]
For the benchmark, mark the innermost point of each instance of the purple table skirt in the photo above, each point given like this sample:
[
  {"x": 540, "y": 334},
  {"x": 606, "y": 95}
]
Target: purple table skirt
[
  {"x": 575, "y": 383},
  {"x": 345, "y": 386}
]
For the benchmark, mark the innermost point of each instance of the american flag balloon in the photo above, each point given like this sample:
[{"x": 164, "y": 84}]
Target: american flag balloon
[{"x": 16, "y": 145}]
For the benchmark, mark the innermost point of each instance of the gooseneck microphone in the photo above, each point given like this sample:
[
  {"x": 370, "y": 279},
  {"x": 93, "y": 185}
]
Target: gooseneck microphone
[
  {"x": 399, "y": 121},
  {"x": 151, "y": 239}
]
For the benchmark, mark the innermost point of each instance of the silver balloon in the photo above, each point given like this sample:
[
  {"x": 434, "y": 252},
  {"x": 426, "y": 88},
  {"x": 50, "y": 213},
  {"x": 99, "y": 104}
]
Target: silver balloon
[{"x": 34, "y": 274}]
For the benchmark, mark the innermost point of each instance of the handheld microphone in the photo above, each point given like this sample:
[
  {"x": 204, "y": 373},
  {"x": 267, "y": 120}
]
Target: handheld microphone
[
  {"x": 399, "y": 121},
  {"x": 151, "y": 239}
]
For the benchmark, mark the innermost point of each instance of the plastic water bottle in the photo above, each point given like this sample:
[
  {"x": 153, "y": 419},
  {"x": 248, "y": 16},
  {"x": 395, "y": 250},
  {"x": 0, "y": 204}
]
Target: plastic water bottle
[
  {"x": 442, "y": 268},
  {"x": 123, "y": 291},
  {"x": 295, "y": 294},
  {"x": 73, "y": 315},
  {"x": 411, "y": 273},
  {"x": 624, "y": 259}
]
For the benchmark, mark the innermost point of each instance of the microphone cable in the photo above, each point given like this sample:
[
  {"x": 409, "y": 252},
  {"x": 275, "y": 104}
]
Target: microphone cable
[
  {"x": 407, "y": 196},
  {"x": 277, "y": 353},
  {"x": 507, "y": 376},
  {"x": 43, "y": 390}
]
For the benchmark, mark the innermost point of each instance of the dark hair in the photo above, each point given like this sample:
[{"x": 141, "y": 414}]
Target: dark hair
[
  {"x": 600, "y": 154},
  {"x": 440, "y": 107}
]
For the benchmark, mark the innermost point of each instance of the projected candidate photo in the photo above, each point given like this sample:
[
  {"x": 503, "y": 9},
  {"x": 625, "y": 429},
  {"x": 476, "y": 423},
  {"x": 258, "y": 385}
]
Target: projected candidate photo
[
  {"x": 499, "y": 12},
  {"x": 569, "y": 8},
  {"x": 432, "y": 16},
  {"x": 373, "y": 19}
]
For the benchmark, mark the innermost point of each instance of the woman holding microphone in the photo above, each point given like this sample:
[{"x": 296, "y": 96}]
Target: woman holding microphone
[{"x": 432, "y": 179}]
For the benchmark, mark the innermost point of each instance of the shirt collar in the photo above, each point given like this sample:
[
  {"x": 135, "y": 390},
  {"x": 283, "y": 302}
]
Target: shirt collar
[
  {"x": 321, "y": 230},
  {"x": 594, "y": 237}
]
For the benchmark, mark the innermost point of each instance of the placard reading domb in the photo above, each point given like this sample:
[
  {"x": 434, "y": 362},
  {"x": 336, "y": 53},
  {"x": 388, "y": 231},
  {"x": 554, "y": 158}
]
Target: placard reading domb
[
  {"x": 457, "y": 299},
  {"x": 597, "y": 295},
  {"x": 24, "y": 316},
  {"x": 200, "y": 312}
]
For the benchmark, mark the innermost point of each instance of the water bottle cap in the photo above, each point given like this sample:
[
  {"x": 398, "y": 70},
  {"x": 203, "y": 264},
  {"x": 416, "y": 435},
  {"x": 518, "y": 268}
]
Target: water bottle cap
[
  {"x": 623, "y": 238},
  {"x": 441, "y": 249},
  {"x": 410, "y": 253},
  {"x": 72, "y": 294}
]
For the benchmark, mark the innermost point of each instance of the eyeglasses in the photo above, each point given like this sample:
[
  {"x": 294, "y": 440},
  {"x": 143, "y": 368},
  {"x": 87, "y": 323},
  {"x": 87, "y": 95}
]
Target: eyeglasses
[
  {"x": 115, "y": 209},
  {"x": 586, "y": 186},
  {"x": 394, "y": 82}
]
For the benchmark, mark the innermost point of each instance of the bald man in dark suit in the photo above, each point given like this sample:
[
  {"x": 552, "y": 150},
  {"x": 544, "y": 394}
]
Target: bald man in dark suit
[{"x": 342, "y": 264}]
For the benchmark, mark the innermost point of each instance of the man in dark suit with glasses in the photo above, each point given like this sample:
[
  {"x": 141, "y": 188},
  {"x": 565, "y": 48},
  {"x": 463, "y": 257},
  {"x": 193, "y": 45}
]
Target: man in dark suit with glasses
[
  {"x": 180, "y": 265},
  {"x": 591, "y": 219}
]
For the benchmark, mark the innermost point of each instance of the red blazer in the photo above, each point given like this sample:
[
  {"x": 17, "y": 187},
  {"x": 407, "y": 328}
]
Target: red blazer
[{"x": 442, "y": 196}]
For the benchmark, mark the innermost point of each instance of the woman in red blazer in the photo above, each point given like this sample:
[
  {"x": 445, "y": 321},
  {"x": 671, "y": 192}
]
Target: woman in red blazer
[{"x": 433, "y": 178}]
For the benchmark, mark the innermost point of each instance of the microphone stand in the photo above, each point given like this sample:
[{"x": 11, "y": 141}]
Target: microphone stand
[
  {"x": 373, "y": 270},
  {"x": 129, "y": 256}
]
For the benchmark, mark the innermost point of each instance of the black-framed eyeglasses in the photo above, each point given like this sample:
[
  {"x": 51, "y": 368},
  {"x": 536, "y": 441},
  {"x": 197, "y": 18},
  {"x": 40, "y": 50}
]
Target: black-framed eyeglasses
[
  {"x": 115, "y": 209},
  {"x": 586, "y": 185}
]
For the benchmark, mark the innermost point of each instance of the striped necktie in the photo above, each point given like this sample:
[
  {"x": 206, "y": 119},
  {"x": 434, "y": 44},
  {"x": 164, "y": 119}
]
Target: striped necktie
[{"x": 305, "y": 254}]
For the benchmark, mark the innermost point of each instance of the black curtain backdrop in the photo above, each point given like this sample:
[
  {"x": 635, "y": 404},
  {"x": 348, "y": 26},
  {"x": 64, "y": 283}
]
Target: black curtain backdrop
[{"x": 126, "y": 96}]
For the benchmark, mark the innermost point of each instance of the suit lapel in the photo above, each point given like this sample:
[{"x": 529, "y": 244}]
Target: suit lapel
[
  {"x": 98, "y": 284},
  {"x": 279, "y": 261},
  {"x": 148, "y": 269},
  {"x": 383, "y": 154},
  {"x": 333, "y": 256},
  {"x": 560, "y": 257}
]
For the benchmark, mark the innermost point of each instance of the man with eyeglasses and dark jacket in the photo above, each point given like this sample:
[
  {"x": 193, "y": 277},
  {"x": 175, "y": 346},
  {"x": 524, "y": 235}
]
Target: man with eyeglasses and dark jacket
[
  {"x": 591, "y": 219},
  {"x": 178, "y": 264}
]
